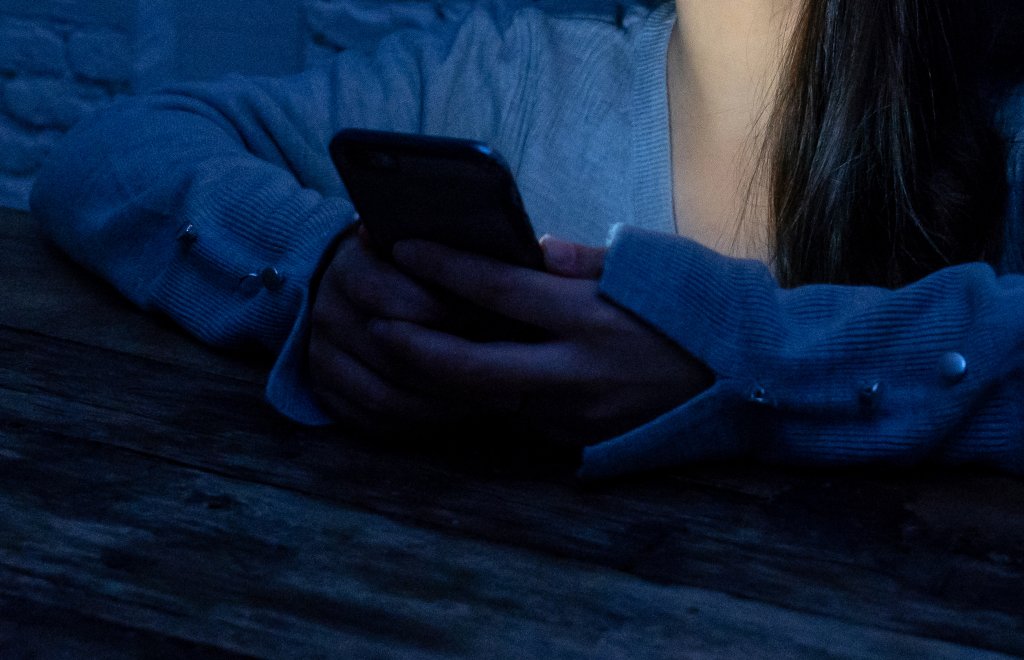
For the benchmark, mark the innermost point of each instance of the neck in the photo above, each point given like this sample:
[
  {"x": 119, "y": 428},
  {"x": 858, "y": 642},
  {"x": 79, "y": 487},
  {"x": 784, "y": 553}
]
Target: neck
[
  {"x": 724, "y": 59},
  {"x": 726, "y": 56}
]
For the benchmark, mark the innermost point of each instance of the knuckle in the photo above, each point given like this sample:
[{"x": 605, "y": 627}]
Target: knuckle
[
  {"x": 435, "y": 269},
  {"x": 416, "y": 363},
  {"x": 425, "y": 309},
  {"x": 378, "y": 399},
  {"x": 467, "y": 368},
  {"x": 350, "y": 249},
  {"x": 605, "y": 317},
  {"x": 363, "y": 291},
  {"x": 391, "y": 338}
]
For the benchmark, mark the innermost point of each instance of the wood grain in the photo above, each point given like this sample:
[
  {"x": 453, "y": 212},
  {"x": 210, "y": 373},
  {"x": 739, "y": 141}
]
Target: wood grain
[
  {"x": 252, "y": 569},
  {"x": 151, "y": 500}
]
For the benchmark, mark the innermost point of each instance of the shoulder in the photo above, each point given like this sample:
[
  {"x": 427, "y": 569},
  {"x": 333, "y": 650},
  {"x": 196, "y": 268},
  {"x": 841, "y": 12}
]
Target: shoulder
[
  {"x": 571, "y": 17},
  {"x": 618, "y": 13},
  {"x": 584, "y": 39}
]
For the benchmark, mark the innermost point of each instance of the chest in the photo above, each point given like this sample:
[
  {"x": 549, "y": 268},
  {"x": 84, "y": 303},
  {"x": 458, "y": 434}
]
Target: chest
[{"x": 719, "y": 196}]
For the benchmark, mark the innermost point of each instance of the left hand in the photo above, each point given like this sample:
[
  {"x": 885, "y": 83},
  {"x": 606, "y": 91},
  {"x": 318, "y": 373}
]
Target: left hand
[{"x": 601, "y": 372}]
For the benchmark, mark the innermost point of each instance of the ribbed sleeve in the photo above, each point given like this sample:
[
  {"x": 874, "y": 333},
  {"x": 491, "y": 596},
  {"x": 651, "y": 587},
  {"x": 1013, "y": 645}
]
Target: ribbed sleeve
[
  {"x": 824, "y": 375},
  {"x": 214, "y": 203}
]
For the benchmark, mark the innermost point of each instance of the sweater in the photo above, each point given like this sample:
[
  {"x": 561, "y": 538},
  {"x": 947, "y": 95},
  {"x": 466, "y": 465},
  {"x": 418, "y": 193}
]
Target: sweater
[{"x": 214, "y": 203}]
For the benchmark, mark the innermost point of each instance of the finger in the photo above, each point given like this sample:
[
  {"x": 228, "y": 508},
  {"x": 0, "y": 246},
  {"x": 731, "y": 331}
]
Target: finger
[
  {"x": 555, "y": 303},
  {"x": 482, "y": 370},
  {"x": 377, "y": 288},
  {"x": 572, "y": 259},
  {"x": 344, "y": 330},
  {"x": 349, "y": 335},
  {"x": 354, "y": 391}
]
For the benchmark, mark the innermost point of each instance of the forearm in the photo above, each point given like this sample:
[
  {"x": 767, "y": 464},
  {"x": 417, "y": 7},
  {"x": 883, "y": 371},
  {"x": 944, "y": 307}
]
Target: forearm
[
  {"x": 242, "y": 164},
  {"x": 163, "y": 197},
  {"x": 831, "y": 374}
]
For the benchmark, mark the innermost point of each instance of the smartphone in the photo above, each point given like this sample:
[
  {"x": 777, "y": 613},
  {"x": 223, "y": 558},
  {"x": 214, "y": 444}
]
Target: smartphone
[{"x": 459, "y": 193}]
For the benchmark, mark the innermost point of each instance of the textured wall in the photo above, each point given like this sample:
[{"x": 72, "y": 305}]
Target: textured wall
[
  {"x": 333, "y": 25},
  {"x": 202, "y": 39},
  {"x": 60, "y": 59}
]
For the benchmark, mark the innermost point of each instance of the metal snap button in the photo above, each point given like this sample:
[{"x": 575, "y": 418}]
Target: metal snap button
[
  {"x": 868, "y": 394},
  {"x": 953, "y": 367},
  {"x": 188, "y": 234},
  {"x": 759, "y": 395},
  {"x": 272, "y": 278},
  {"x": 250, "y": 285}
]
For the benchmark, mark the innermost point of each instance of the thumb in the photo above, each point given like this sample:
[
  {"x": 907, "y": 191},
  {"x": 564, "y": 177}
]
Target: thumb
[{"x": 572, "y": 259}]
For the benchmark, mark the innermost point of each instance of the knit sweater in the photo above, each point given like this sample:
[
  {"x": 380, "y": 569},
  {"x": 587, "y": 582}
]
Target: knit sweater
[{"x": 214, "y": 203}]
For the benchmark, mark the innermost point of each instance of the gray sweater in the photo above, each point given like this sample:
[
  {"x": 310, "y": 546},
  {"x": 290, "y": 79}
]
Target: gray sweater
[{"x": 213, "y": 203}]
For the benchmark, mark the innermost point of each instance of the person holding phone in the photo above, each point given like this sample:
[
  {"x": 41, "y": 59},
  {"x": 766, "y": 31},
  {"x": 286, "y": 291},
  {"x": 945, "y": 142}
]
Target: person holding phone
[{"x": 786, "y": 230}]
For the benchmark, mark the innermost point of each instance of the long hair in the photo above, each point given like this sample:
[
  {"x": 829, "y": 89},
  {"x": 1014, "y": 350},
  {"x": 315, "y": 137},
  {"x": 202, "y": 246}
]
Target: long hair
[{"x": 884, "y": 161}]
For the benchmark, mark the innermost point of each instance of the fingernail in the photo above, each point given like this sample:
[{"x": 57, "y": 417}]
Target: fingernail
[{"x": 557, "y": 254}]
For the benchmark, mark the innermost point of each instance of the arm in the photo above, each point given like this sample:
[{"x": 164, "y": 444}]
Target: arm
[
  {"x": 213, "y": 203},
  {"x": 824, "y": 375},
  {"x": 819, "y": 375}
]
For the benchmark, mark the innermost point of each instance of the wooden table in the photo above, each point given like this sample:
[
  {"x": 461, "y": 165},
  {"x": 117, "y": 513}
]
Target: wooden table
[{"x": 151, "y": 504}]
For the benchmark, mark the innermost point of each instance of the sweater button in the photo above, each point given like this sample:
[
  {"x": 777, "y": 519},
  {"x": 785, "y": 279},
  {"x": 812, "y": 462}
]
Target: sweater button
[
  {"x": 759, "y": 395},
  {"x": 953, "y": 367},
  {"x": 868, "y": 394},
  {"x": 188, "y": 234},
  {"x": 272, "y": 278},
  {"x": 250, "y": 285}
]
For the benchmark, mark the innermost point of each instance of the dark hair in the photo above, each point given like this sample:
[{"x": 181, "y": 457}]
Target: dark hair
[{"x": 885, "y": 163}]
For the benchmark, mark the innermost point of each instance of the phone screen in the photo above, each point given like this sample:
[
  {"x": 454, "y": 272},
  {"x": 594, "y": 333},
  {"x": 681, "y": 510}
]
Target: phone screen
[{"x": 456, "y": 192}]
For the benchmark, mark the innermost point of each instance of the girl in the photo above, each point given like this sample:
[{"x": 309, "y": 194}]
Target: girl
[{"x": 814, "y": 211}]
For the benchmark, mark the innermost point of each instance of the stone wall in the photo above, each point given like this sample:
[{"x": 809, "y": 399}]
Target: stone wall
[{"x": 60, "y": 59}]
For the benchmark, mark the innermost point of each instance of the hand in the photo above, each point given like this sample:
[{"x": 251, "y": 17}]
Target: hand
[
  {"x": 601, "y": 372},
  {"x": 359, "y": 381},
  {"x": 572, "y": 259}
]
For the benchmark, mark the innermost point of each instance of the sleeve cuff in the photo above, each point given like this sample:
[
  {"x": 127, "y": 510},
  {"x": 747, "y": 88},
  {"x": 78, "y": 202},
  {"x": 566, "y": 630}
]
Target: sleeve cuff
[
  {"x": 710, "y": 304},
  {"x": 706, "y": 428},
  {"x": 820, "y": 374},
  {"x": 289, "y": 388},
  {"x": 652, "y": 275}
]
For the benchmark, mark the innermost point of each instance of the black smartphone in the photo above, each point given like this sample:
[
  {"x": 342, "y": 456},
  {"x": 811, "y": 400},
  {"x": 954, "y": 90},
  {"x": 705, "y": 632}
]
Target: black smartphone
[
  {"x": 456, "y": 192},
  {"x": 459, "y": 193}
]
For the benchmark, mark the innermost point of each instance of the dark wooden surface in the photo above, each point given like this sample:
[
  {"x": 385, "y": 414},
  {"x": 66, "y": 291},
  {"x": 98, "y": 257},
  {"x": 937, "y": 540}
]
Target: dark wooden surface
[{"x": 152, "y": 505}]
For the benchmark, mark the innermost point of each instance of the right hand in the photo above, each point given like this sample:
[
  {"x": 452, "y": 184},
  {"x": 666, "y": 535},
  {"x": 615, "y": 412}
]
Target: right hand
[{"x": 359, "y": 381}]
